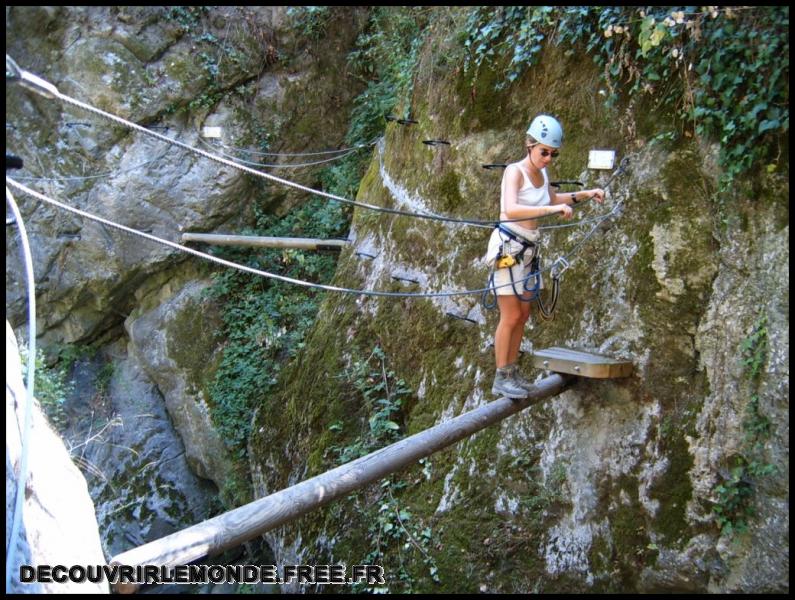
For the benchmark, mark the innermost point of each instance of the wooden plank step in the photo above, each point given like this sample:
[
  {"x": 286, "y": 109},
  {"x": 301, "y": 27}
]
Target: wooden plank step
[{"x": 583, "y": 364}]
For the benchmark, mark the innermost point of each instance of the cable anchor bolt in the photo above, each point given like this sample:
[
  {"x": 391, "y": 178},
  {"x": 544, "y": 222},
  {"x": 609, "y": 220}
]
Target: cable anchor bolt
[
  {"x": 12, "y": 69},
  {"x": 30, "y": 81}
]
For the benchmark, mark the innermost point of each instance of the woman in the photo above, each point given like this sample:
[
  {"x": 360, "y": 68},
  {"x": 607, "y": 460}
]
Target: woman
[{"x": 526, "y": 193}]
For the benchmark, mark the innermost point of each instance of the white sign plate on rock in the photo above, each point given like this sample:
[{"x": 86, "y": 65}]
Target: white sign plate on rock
[{"x": 601, "y": 159}]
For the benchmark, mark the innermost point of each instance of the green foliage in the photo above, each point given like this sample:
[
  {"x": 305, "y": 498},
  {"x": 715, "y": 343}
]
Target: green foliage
[
  {"x": 50, "y": 386},
  {"x": 103, "y": 377},
  {"x": 266, "y": 320},
  {"x": 735, "y": 494},
  {"x": 754, "y": 349},
  {"x": 344, "y": 176},
  {"x": 310, "y": 21},
  {"x": 519, "y": 30},
  {"x": 734, "y": 504},
  {"x": 382, "y": 393},
  {"x": 218, "y": 59},
  {"x": 187, "y": 16},
  {"x": 393, "y": 528},
  {"x": 385, "y": 58},
  {"x": 723, "y": 73},
  {"x": 741, "y": 94},
  {"x": 69, "y": 354}
]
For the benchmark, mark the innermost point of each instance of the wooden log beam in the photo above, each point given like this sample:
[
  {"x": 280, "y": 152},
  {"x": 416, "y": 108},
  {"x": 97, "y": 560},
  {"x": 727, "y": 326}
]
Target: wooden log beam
[
  {"x": 218, "y": 239},
  {"x": 236, "y": 526}
]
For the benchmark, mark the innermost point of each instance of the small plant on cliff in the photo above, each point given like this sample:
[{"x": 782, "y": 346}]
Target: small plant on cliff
[
  {"x": 396, "y": 527},
  {"x": 382, "y": 393},
  {"x": 393, "y": 529},
  {"x": 735, "y": 494},
  {"x": 310, "y": 21},
  {"x": 51, "y": 386}
]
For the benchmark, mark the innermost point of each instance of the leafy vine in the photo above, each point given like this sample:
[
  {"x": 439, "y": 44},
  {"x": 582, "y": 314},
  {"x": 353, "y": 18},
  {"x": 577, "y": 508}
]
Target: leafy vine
[{"x": 723, "y": 72}]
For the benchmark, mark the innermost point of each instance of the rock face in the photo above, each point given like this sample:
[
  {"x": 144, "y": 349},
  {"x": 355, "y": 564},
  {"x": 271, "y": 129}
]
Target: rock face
[
  {"x": 144, "y": 434},
  {"x": 141, "y": 473},
  {"x": 613, "y": 486},
  {"x": 176, "y": 71},
  {"x": 58, "y": 525},
  {"x": 175, "y": 342}
]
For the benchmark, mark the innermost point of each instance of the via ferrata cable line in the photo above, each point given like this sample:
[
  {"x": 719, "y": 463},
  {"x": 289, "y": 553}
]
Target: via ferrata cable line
[
  {"x": 96, "y": 176},
  {"x": 276, "y": 166},
  {"x": 318, "y": 153},
  {"x": 48, "y": 90},
  {"x": 252, "y": 270},
  {"x": 22, "y": 477}
]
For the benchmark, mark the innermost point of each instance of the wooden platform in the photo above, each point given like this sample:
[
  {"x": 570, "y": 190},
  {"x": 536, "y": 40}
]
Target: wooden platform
[{"x": 583, "y": 364}]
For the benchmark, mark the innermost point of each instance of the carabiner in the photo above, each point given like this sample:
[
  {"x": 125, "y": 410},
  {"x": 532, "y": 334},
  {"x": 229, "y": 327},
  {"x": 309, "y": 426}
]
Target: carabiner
[{"x": 556, "y": 271}]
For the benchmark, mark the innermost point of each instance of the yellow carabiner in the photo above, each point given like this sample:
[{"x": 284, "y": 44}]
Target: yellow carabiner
[{"x": 505, "y": 262}]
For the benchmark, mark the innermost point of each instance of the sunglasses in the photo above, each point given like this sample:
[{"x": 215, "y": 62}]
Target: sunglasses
[
  {"x": 545, "y": 152},
  {"x": 553, "y": 154}
]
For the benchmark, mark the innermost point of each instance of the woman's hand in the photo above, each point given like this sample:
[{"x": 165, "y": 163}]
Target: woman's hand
[
  {"x": 597, "y": 194},
  {"x": 565, "y": 210}
]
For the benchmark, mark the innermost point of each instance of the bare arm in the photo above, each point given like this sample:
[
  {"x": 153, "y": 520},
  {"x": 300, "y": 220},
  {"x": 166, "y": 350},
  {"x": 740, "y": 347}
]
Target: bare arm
[{"x": 570, "y": 198}]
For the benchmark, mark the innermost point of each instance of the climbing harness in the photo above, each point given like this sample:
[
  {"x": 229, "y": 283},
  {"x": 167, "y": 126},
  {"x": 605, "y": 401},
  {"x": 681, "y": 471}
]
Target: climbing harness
[
  {"x": 506, "y": 260},
  {"x": 531, "y": 283}
]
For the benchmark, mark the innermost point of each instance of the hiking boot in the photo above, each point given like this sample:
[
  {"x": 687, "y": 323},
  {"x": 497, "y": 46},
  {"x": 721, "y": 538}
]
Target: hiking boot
[
  {"x": 505, "y": 385},
  {"x": 519, "y": 379}
]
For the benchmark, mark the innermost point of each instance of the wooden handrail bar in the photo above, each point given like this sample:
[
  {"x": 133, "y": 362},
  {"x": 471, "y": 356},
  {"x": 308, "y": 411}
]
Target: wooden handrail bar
[{"x": 218, "y": 239}]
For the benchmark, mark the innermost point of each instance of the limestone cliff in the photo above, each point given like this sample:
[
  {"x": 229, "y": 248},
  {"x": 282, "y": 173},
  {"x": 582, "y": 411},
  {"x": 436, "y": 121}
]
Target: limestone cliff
[
  {"x": 123, "y": 310},
  {"x": 57, "y": 524},
  {"x": 611, "y": 486}
]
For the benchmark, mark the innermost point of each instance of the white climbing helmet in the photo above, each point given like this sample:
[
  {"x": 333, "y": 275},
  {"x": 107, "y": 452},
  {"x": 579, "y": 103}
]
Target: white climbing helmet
[{"x": 546, "y": 130}]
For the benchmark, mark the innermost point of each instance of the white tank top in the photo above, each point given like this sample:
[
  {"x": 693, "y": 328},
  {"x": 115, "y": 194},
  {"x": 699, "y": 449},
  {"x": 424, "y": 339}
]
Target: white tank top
[{"x": 528, "y": 195}]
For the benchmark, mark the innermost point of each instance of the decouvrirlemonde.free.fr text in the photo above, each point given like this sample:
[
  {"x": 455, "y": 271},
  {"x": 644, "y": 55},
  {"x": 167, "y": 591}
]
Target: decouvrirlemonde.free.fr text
[{"x": 200, "y": 574}]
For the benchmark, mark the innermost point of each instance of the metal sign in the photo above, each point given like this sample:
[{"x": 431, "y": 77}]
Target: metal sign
[
  {"x": 211, "y": 132},
  {"x": 601, "y": 159}
]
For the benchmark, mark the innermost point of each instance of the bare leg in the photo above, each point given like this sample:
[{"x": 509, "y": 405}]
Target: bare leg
[
  {"x": 509, "y": 330},
  {"x": 518, "y": 333}
]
